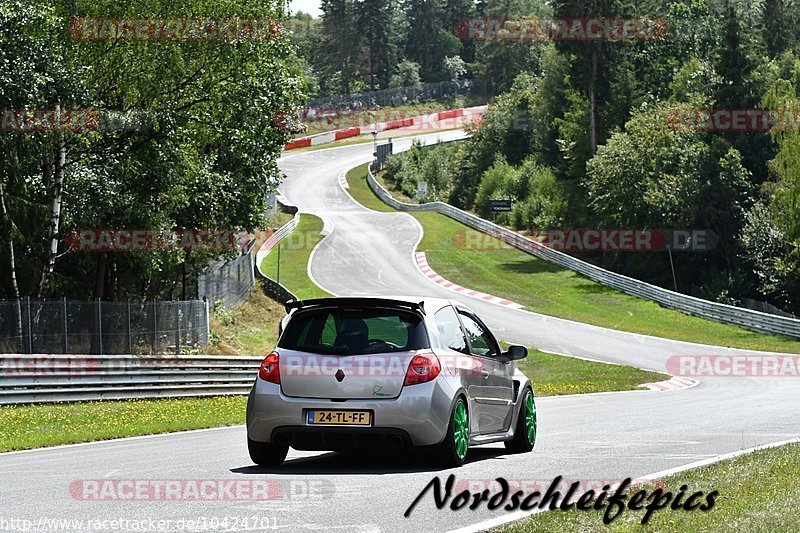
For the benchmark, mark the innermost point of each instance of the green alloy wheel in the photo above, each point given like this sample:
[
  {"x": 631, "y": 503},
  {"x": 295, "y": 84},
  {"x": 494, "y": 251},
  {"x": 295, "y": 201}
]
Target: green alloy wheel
[
  {"x": 525, "y": 431},
  {"x": 452, "y": 451}
]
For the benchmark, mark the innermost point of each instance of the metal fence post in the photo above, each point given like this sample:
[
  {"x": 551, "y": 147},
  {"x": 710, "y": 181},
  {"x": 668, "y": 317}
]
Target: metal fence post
[
  {"x": 128, "y": 336},
  {"x": 155, "y": 328},
  {"x": 28, "y": 322},
  {"x": 64, "y": 342},
  {"x": 208, "y": 323},
  {"x": 178, "y": 328},
  {"x": 195, "y": 320},
  {"x": 99, "y": 317}
]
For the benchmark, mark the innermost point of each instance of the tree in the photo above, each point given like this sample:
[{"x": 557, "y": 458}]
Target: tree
[
  {"x": 454, "y": 68},
  {"x": 374, "y": 23},
  {"x": 337, "y": 46},
  {"x": 407, "y": 75},
  {"x": 206, "y": 157},
  {"x": 502, "y": 59},
  {"x": 590, "y": 67},
  {"x": 775, "y": 27},
  {"x": 733, "y": 66},
  {"x": 429, "y": 39}
]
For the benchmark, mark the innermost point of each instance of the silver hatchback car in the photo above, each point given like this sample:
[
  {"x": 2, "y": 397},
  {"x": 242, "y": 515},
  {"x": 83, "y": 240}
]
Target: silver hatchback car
[{"x": 379, "y": 372}]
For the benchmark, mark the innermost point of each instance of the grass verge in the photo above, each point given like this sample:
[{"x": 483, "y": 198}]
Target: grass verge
[
  {"x": 294, "y": 254},
  {"x": 35, "y": 426},
  {"x": 557, "y": 375},
  {"x": 551, "y": 290},
  {"x": 757, "y": 492},
  {"x": 249, "y": 329}
]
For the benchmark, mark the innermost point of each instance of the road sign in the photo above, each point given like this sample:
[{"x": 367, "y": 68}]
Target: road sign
[
  {"x": 499, "y": 206},
  {"x": 422, "y": 188},
  {"x": 382, "y": 153}
]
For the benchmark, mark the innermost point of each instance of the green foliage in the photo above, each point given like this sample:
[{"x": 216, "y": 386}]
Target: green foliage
[
  {"x": 432, "y": 165},
  {"x": 206, "y": 159},
  {"x": 407, "y": 75}
]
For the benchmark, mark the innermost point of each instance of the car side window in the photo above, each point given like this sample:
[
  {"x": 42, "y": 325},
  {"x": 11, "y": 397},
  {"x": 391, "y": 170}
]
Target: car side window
[
  {"x": 481, "y": 340},
  {"x": 450, "y": 332}
]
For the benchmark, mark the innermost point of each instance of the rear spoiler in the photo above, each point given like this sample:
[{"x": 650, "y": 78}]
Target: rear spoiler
[{"x": 354, "y": 302}]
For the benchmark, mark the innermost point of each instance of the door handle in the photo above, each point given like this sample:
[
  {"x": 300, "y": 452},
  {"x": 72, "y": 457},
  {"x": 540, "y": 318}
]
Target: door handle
[{"x": 485, "y": 374}]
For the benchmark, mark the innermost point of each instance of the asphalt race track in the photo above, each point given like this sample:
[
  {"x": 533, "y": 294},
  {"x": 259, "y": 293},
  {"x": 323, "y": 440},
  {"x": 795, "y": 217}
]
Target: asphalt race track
[{"x": 594, "y": 437}]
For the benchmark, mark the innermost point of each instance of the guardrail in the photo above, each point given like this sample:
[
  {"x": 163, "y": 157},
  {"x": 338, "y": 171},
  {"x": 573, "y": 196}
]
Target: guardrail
[
  {"x": 728, "y": 314},
  {"x": 69, "y": 378},
  {"x": 273, "y": 289}
]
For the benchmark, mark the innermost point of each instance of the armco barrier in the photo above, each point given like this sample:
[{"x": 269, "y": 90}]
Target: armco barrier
[
  {"x": 728, "y": 314},
  {"x": 69, "y": 378},
  {"x": 273, "y": 289}
]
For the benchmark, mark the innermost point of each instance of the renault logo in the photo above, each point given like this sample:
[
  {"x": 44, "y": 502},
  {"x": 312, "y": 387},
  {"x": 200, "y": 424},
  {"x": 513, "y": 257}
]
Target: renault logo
[{"x": 340, "y": 375}]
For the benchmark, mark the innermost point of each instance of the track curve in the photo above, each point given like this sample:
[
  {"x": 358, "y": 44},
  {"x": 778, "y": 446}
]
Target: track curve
[{"x": 591, "y": 437}]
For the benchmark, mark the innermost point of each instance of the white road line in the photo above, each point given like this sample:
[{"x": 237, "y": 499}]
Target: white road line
[{"x": 522, "y": 515}]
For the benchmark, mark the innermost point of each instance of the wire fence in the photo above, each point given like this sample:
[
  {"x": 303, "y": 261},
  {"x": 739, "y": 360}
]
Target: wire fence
[
  {"x": 228, "y": 283},
  {"x": 102, "y": 328},
  {"x": 404, "y": 95}
]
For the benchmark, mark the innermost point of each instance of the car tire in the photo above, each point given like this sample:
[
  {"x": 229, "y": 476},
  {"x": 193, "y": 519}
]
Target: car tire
[
  {"x": 525, "y": 431},
  {"x": 452, "y": 451},
  {"x": 264, "y": 454}
]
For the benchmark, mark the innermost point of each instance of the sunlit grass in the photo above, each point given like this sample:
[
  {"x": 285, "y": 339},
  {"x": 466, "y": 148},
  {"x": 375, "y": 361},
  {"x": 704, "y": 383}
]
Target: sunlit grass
[
  {"x": 294, "y": 253},
  {"x": 556, "y": 375},
  {"x": 34, "y": 426},
  {"x": 757, "y": 492}
]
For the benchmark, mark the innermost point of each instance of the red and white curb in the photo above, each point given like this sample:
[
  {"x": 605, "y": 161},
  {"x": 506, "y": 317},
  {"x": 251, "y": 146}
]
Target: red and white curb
[
  {"x": 428, "y": 272},
  {"x": 676, "y": 383},
  {"x": 343, "y": 181},
  {"x": 425, "y": 122}
]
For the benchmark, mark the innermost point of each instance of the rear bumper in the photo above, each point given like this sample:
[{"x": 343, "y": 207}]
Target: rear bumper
[
  {"x": 418, "y": 417},
  {"x": 340, "y": 438}
]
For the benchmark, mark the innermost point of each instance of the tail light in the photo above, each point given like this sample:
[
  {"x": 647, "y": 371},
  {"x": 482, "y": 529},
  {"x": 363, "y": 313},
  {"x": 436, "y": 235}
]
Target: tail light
[
  {"x": 423, "y": 368},
  {"x": 270, "y": 369}
]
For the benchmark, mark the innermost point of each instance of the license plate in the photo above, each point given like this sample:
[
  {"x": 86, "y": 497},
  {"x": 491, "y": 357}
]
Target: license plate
[{"x": 339, "y": 418}]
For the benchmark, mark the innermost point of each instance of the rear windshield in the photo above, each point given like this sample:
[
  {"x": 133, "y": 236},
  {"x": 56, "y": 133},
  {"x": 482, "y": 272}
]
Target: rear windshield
[{"x": 354, "y": 331}]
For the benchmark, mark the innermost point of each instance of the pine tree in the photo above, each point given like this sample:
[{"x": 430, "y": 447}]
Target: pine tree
[
  {"x": 775, "y": 27},
  {"x": 733, "y": 66},
  {"x": 424, "y": 22},
  {"x": 376, "y": 27},
  {"x": 338, "y": 18}
]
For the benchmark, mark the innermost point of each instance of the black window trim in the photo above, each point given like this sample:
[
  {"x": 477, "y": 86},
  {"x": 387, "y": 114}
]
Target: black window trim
[
  {"x": 460, "y": 327},
  {"x": 473, "y": 316}
]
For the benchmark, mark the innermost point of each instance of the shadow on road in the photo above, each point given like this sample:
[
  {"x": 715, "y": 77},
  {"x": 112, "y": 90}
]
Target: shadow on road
[{"x": 388, "y": 462}]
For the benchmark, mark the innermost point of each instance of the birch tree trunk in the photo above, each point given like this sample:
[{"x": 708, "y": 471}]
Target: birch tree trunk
[
  {"x": 55, "y": 215},
  {"x": 8, "y": 241}
]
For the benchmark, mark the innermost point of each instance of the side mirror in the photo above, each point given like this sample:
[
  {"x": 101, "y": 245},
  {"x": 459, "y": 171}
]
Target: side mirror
[{"x": 516, "y": 353}]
